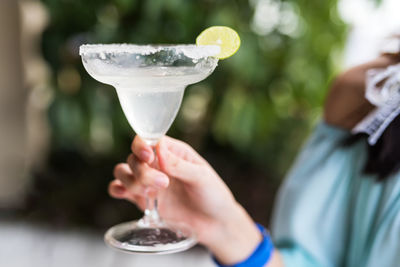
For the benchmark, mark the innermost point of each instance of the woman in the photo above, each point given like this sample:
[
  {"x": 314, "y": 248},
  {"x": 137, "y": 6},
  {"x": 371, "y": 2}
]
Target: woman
[{"x": 331, "y": 209}]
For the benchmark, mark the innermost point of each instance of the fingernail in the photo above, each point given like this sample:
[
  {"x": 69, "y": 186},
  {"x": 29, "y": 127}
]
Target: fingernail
[
  {"x": 161, "y": 181},
  {"x": 145, "y": 155}
]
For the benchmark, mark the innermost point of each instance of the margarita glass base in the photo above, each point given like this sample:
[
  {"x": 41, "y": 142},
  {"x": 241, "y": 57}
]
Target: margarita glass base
[{"x": 141, "y": 237}]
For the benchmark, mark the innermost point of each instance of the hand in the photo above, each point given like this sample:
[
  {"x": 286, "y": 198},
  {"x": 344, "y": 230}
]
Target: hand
[
  {"x": 346, "y": 104},
  {"x": 190, "y": 191}
]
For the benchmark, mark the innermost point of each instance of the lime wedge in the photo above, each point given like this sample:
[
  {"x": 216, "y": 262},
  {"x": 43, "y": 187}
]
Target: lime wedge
[{"x": 222, "y": 36}]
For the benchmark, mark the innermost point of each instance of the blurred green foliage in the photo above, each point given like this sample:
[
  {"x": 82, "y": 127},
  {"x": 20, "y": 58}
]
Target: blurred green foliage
[{"x": 260, "y": 103}]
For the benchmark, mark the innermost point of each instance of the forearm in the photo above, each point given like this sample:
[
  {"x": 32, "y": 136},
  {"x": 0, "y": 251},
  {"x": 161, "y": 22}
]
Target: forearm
[
  {"x": 276, "y": 260},
  {"x": 236, "y": 238}
]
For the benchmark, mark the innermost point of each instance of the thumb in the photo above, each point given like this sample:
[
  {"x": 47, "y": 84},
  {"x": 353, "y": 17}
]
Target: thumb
[{"x": 177, "y": 167}]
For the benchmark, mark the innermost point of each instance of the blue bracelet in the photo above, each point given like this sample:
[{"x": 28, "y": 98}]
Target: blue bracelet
[{"x": 260, "y": 256}]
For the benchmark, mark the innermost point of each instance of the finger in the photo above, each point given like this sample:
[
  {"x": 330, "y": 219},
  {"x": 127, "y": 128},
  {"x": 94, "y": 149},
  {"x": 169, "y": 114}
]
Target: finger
[
  {"x": 142, "y": 150},
  {"x": 117, "y": 190},
  {"x": 146, "y": 175},
  {"x": 182, "y": 150},
  {"x": 123, "y": 173},
  {"x": 177, "y": 167},
  {"x": 140, "y": 202}
]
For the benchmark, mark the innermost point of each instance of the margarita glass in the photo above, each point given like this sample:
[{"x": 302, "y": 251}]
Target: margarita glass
[{"x": 150, "y": 81}]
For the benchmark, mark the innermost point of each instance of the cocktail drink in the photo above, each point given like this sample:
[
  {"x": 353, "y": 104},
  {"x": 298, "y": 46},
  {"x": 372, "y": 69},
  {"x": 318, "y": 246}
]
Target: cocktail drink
[{"x": 150, "y": 81}]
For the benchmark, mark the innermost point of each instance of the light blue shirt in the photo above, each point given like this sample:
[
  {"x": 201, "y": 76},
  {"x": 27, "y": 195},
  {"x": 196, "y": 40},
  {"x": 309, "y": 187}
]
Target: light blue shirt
[{"x": 329, "y": 213}]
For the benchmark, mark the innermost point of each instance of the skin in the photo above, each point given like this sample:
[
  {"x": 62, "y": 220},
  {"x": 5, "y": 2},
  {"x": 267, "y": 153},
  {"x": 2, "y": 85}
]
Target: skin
[
  {"x": 346, "y": 105},
  {"x": 190, "y": 191}
]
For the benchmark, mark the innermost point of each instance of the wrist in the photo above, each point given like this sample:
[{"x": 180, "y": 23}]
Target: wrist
[
  {"x": 261, "y": 256},
  {"x": 234, "y": 237}
]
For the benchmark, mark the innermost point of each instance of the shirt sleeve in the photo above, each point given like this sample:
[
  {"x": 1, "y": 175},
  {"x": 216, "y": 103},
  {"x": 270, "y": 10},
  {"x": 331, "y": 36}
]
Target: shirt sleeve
[
  {"x": 309, "y": 220},
  {"x": 383, "y": 248}
]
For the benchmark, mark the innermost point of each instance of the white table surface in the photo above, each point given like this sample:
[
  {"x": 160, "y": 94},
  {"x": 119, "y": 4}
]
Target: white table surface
[{"x": 26, "y": 245}]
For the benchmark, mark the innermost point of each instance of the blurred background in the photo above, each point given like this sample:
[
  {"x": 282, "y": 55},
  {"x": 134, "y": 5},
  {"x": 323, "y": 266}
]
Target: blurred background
[{"x": 61, "y": 132}]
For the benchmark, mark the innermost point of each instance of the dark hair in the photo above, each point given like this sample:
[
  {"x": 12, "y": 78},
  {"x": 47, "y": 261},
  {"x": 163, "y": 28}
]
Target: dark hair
[{"x": 383, "y": 157}]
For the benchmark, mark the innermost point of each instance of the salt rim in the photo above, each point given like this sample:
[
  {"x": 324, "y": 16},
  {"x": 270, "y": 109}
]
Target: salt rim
[{"x": 191, "y": 50}]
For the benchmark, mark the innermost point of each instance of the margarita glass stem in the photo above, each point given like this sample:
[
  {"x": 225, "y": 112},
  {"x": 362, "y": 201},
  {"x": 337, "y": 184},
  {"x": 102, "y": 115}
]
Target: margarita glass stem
[{"x": 151, "y": 215}]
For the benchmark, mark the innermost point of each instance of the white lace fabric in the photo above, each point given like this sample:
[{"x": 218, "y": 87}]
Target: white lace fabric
[{"x": 383, "y": 91}]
